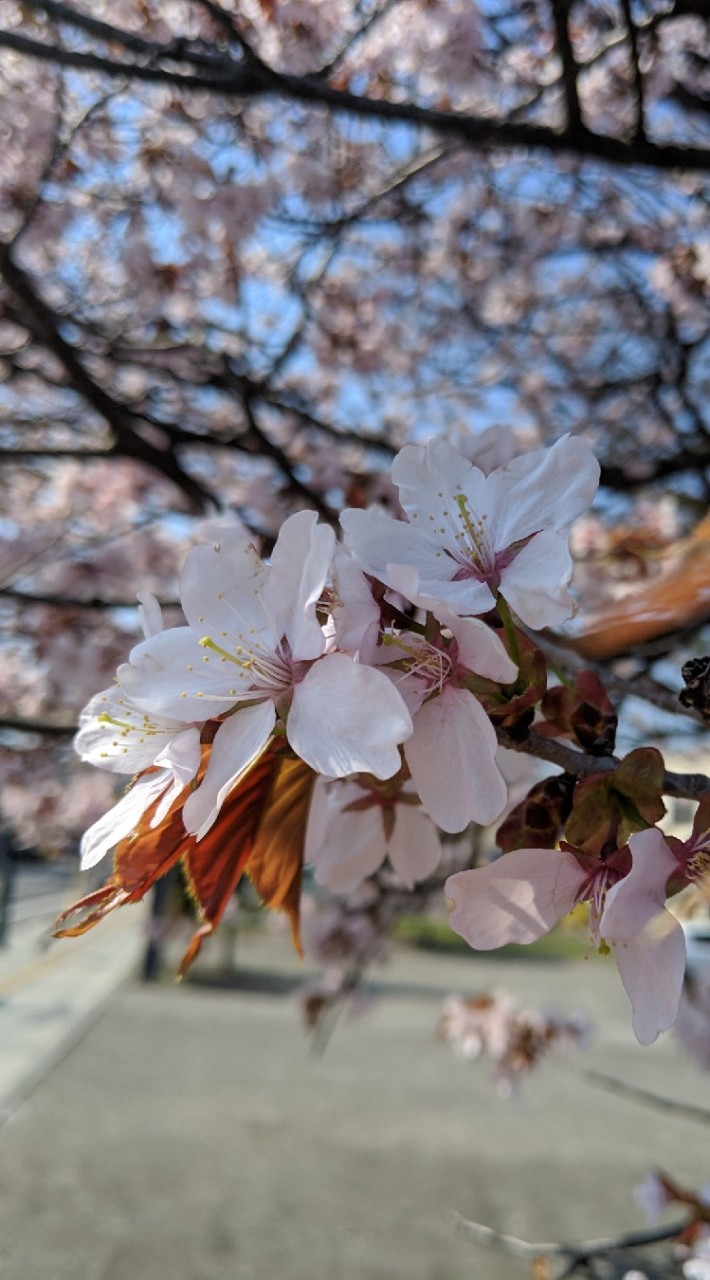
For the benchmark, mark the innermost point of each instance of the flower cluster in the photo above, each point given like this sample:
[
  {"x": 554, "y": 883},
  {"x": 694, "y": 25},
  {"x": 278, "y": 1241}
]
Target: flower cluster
[
  {"x": 337, "y": 702},
  {"x": 305, "y": 648},
  {"x": 516, "y": 1040}
]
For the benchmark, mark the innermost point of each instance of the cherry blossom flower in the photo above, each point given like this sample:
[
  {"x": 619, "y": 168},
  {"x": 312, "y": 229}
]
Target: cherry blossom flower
[
  {"x": 515, "y": 1039},
  {"x": 116, "y": 735},
  {"x": 254, "y": 647},
  {"x": 527, "y": 892},
  {"x": 469, "y": 536},
  {"x": 451, "y": 753},
  {"x": 353, "y": 828}
]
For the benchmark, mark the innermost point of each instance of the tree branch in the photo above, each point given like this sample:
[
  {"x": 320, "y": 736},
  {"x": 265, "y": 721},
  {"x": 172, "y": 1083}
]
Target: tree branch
[
  {"x": 640, "y": 129},
  {"x": 644, "y": 1096},
  {"x": 557, "y": 1249},
  {"x": 247, "y": 393},
  {"x": 688, "y": 786},
  {"x": 232, "y": 80},
  {"x": 570, "y": 70},
  {"x": 42, "y": 321},
  {"x": 75, "y": 602},
  {"x": 44, "y": 727}
]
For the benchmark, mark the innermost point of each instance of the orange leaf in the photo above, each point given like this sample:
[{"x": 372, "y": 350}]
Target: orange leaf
[
  {"x": 96, "y": 904},
  {"x": 675, "y": 601},
  {"x": 215, "y": 864},
  {"x": 276, "y": 863},
  {"x": 138, "y": 861}
]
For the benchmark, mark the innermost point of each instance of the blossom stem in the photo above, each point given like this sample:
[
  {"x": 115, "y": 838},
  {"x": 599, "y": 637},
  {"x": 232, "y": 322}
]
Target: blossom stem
[{"x": 510, "y": 630}]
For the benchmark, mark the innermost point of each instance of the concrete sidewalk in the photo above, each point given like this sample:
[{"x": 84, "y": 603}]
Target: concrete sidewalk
[
  {"x": 193, "y": 1135},
  {"x": 51, "y": 991}
]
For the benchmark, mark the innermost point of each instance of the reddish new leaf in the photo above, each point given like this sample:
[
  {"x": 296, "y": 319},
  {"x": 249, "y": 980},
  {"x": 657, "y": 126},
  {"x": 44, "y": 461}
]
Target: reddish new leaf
[
  {"x": 215, "y": 864},
  {"x": 581, "y": 712},
  {"x": 276, "y": 864},
  {"x": 138, "y": 861},
  {"x": 536, "y": 822},
  {"x": 641, "y": 777}
]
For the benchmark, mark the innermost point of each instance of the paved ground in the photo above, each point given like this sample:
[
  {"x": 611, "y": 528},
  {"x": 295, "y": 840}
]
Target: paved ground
[
  {"x": 51, "y": 991},
  {"x": 192, "y": 1135}
]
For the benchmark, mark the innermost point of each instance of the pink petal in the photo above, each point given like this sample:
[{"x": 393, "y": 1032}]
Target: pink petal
[
  {"x": 237, "y": 744},
  {"x": 354, "y": 849},
  {"x": 545, "y": 489},
  {"x": 651, "y": 966},
  {"x": 480, "y": 649},
  {"x": 535, "y": 583},
  {"x": 378, "y": 542},
  {"x": 212, "y": 576},
  {"x": 356, "y": 616},
  {"x": 170, "y": 674},
  {"x": 300, "y": 562},
  {"x": 428, "y": 478},
  {"x": 347, "y": 718},
  {"x": 517, "y": 899},
  {"x": 632, "y": 902},
  {"x": 451, "y": 755},
  {"x": 414, "y": 846}
]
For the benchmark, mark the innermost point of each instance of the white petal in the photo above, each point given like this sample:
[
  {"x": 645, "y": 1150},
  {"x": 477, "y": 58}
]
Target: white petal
[
  {"x": 346, "y": 718},
  {"x": 300, "y": 564},
  {"x": 413, "y": 560},
  {"x": 480, "y": 649},
  {"x": 354, "y": 850},
  {"x": 220, "y": 590},
  {"x": 237, "y": 744},
  {"x": 120, "y": 821},
  {"x": 172, "y": 675},
  {"x": 451, "y": 755},
  {"x": 429, "y": 478},
  {"x": 414, "y": 846},
  {"x": 182, "y": 756},
  {"x": 651, "y": 966},
  {"x": 535, "y": 583},
  {"x": 545, "y": 489},
  {"x": 377, "y": 540},
  {"x": 320, "y": 812},
  {"x": 517, "y": 898},
  {"x": 356, "y": 615},
  {"x": 464, "y": 597},
  {"x": 633, "y": 901},
  {"x": 129, "y": 740},
  {"x": 150, "y": 614}
]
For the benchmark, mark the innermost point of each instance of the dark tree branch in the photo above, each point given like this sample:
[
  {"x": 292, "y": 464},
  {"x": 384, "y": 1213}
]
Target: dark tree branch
[
  {"x": 640, "y": 129},
  {"x": 75, "y": 602},
  {"x": 232, "y": 80},
  {"x": 688, "y": 786},
  {"x": 224, "y": 75},
  {"x": 45, "y": 325},
  {"x": 44, "y": 727},
  {"x": 570, "y": 69},
  {"x": 684, "y": 459},
  {"x": 17, "y": 455},
  {"x": 248, "y": 393},
  {"x": 106, "y": 32}
]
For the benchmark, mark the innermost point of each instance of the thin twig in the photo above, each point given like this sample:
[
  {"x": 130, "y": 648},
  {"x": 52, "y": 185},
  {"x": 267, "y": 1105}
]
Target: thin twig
[
  {"x": 578, "y": 1250},
  {"x": 688, "y": 786},
  {"x": 644, "y": 1096}
]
